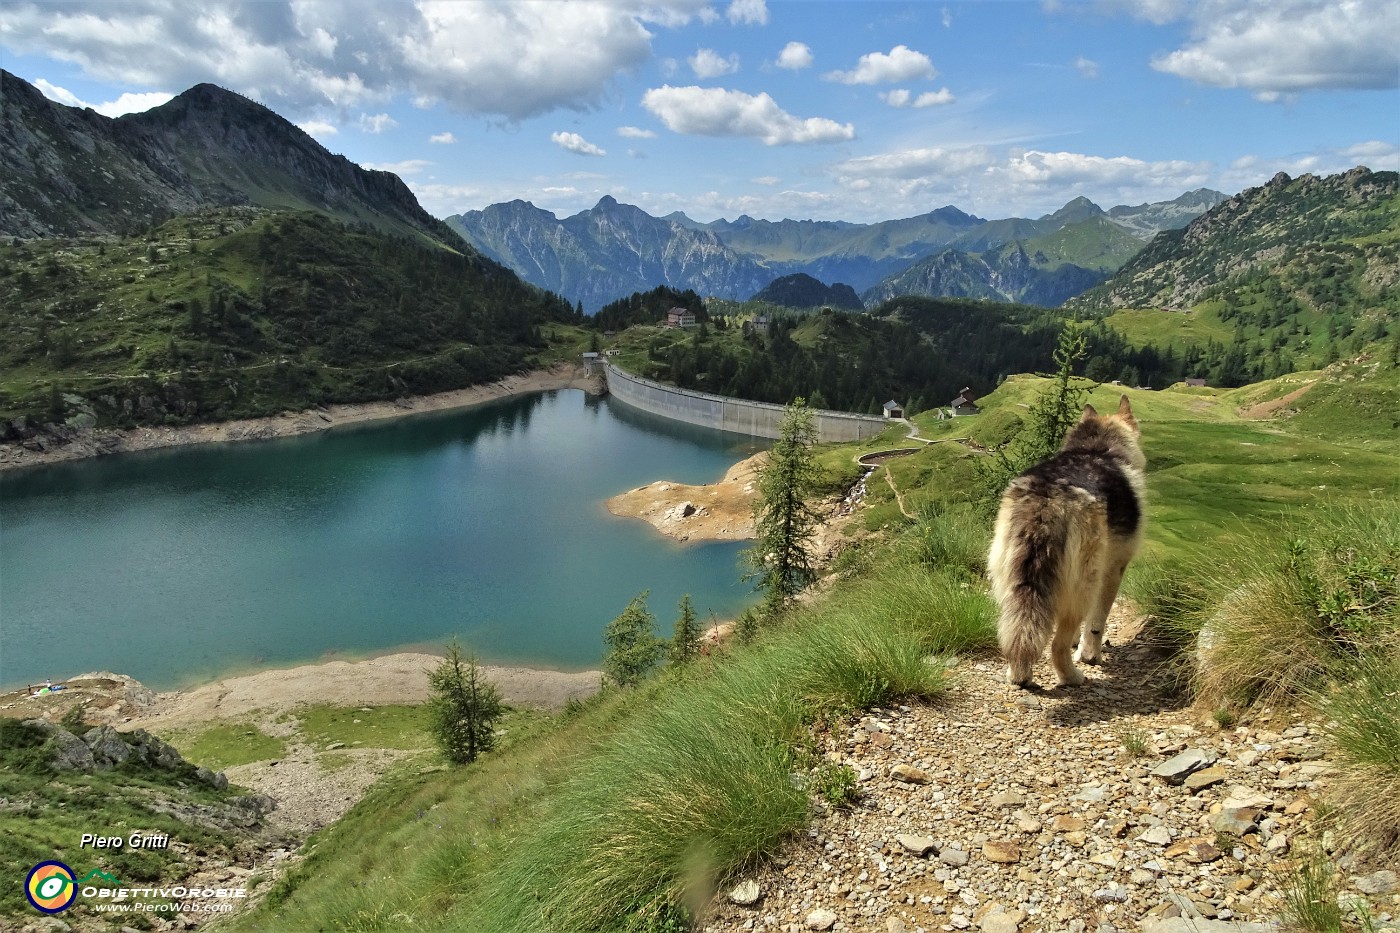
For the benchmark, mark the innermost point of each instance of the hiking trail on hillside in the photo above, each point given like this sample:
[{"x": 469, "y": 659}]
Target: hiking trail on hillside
[{"x": 1012, "y": 811}]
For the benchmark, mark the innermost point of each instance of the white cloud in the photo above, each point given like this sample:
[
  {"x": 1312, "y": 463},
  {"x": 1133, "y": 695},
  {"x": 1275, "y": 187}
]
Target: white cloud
[
  {"x": 127, "y": 103},
  {"x": 575, "y": 143},
  {"x": 406, "y": 167},
  {"x": 947, "y": 17},
  {"x": 903, "y": 97},
  {"x": 934, "y": 98},
  {"x": 698, "y": 111},
  {"x": 318, "y": 128},
  {"x": 707, "y": 63},
  {"x": 635, "y": 132},
  {"x": 766, "y": 180},
  {"x": 795, "y": 56},
  {"x": 1285, "y": 47},
  {"x": 748, "y": 11},
  {"x": 901, "y": 63},
  {"x": 376, "y": 123},
  {"x": 442, "y": 139},
  {"x": 1086, "y": 67},
  {"x": 514, "y": 60},
  {"x": 913, "y": 163}
]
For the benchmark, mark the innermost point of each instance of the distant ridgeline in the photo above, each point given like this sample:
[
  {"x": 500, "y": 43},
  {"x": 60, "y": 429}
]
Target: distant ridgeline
[{"x": 1285, "y": 277}]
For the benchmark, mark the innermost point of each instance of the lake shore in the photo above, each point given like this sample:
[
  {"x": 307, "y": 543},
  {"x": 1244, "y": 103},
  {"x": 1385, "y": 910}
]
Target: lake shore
[
  {"x": 721, "y": 511},
  {"x": 98, "y": 442},
  {"x": 398, "y": 678}
]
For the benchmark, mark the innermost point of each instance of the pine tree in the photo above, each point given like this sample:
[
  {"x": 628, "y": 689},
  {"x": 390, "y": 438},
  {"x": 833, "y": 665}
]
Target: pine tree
[
  {"x": 1053, "y": 413},
  {"x": 633, "y": 648},
  {"x": 685, "y": 641},
  {"x": 464, "y": 707},
  {"x": 784, "y": 522}
]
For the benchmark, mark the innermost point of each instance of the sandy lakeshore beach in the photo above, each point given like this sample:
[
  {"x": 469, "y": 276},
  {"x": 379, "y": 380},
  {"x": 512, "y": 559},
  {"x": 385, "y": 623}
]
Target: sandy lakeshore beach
[
  {"x": 721, "y": 511},
  {"x": 96, "y": 442}
]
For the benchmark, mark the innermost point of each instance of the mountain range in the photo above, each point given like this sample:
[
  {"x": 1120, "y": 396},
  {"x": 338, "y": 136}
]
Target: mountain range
[
  {"x": 598, "y": 255},
  {"x": 72, "y": 172}
]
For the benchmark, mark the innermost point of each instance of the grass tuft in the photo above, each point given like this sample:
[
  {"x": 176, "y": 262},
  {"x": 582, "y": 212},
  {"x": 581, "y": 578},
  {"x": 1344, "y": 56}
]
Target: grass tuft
[{"x": 1366, "y": 789}]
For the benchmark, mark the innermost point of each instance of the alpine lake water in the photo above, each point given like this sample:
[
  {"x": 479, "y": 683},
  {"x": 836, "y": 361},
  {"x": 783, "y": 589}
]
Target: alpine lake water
[{"x": 486, "y": 524}]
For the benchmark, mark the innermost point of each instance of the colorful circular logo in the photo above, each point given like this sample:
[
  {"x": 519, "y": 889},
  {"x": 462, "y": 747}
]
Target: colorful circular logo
[{"x": 50, "y": 887}]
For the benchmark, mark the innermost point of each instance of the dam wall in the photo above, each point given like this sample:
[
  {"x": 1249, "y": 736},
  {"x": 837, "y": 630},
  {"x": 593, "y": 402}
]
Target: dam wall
[{"x": 758, "y": 419}]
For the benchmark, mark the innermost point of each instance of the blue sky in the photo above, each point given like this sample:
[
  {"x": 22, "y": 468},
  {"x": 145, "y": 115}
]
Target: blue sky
[{"x": 835, "y": 110}]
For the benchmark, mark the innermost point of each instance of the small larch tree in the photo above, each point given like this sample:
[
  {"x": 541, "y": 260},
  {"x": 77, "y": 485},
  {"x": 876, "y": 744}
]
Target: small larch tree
[
  {"x": 633, "y": 648},
  {"x": 685, "y": 640},
  {"x": 785, "y": 522},
  {"x": 464, "y": 707}
]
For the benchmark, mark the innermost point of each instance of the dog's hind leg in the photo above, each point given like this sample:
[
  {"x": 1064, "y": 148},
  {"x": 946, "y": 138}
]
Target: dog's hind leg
[
  {"x": 1096, "y": 623},
  {"x": 1062, "y": 648}
]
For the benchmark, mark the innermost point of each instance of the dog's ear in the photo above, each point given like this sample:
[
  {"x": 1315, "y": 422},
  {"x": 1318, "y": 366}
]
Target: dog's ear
[
  {"x": 1089, "y": 412},
  {"x": 1125, "y": 412}
]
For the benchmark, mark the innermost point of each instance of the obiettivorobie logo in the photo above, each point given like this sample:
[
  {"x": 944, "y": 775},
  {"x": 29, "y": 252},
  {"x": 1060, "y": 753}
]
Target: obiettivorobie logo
[{"x": 52, "y": 889}]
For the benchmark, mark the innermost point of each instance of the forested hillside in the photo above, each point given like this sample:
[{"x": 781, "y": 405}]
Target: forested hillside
[{"x": 236, "y": 312}]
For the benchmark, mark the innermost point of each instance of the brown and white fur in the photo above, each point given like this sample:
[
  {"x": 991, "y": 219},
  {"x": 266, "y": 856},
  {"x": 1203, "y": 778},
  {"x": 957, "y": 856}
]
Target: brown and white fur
[{"x": 1064, "y": 535}]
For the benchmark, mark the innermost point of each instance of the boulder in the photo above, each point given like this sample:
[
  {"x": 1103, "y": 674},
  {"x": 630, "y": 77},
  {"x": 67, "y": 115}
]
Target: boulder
[
  {"x": 1176, "y": 769},
  {"x": 108, "y": 747},
  {"x": 70, "y": 753}
]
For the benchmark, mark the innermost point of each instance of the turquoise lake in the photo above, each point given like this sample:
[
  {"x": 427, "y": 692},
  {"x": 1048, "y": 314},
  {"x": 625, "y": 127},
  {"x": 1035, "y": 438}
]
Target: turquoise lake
[{"x": 486, "y": 524}]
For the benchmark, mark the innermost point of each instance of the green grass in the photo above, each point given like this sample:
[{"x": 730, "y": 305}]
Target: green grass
[
  {"x": 47, "y": 813},
  {"x": 640, "y": 803},
  {"x": 1175, "y": 329},
  {"x": 1367, "y": 739},
  {"x": 228, "y": 744},
  {"x": 395, "y": 726}
]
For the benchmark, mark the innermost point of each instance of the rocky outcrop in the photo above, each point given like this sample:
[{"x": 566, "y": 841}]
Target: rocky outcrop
[{"x": 103, "y": 748}]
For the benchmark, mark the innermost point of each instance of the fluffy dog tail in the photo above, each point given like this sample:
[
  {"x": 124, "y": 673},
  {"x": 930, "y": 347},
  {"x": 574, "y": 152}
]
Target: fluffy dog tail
[{"x": 1024, "y": 566}]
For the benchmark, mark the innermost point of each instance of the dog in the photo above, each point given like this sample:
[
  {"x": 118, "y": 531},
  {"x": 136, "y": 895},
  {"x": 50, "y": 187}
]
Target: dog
[{"x": 1065, "y": 533}]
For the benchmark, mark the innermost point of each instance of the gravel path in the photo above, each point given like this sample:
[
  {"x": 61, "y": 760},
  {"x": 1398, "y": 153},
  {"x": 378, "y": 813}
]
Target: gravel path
[{"x": 1004, "y": 810}]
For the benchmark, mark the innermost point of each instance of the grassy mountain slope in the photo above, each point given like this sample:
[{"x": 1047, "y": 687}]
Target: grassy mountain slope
[
  {"x": 238, "y": 311},
  {"x": 75, "y": 172},
  {"x": 644, "y": 803},
  {"x": 1328, "y": 241}
]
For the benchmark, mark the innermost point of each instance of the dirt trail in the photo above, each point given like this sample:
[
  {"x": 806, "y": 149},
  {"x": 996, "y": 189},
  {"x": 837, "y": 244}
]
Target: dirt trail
[{"x": 1006, "y": 810}]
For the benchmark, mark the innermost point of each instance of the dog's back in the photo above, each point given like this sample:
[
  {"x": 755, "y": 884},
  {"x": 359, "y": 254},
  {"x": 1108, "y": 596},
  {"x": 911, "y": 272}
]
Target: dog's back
[{"x": 1064, "y": 535}]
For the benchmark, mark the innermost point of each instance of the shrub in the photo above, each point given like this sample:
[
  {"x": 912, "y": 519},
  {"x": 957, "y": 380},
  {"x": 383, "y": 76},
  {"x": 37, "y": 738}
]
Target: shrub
[{"x": 1283, "y": 611}]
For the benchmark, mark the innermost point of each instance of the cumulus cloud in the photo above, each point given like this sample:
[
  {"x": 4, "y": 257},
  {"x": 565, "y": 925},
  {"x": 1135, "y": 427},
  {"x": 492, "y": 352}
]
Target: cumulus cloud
[
  {"x": 635, "y": 132},
  {"x": 698, "y": 111},
  {"x": 795, "y": 56},
  {"x": 707, "y": 63},
  {"x": 376, "y": 123},
  {"x": 127, "y": 103},
  {"x": 901, "y": 63},
  {"x": 318, "y": 128},
  {"x": 1086, "y": 67},
  {"x": 573, "y": 142},
  {"x": 442, "y": 139},
  {"x": 1285, "y": 47},
  {"x": 406, "y": 167},
  {"x": 903, "y": 97},
  {"x": 748, "y": 11},
  {"x": 514, "y": 60}
]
